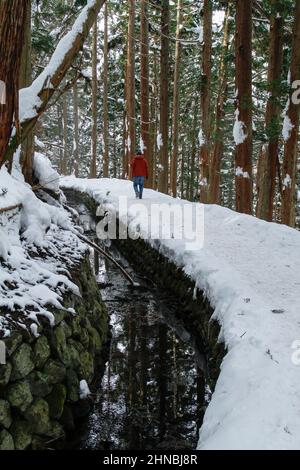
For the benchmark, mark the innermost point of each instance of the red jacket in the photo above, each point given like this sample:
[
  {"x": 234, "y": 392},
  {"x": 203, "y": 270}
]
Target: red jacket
[{"x": 139, "y": 166}]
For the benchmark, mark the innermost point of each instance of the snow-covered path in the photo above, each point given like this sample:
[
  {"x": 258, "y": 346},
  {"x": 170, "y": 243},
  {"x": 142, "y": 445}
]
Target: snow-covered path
[{"x": 249, "y": 269}]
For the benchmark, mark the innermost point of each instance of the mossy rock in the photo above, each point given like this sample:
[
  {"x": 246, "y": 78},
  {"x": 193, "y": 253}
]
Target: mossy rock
[
  {"x": 74, "y": 354},
  {"x": 95, "y": 341},
  {"x": 19, "y": 395},
  {"x": 12, "y": 342},
  {"x": 72, "y": 385},
  {"x": 22, "y": 362},
  {"x": 67, "y": 418},
  {"x": 56, "y": 431},
  {"x": 22, "y": 434},
  {"x": 38, "y": 415},
  {"x": 5, "y": 416},
  {"x": 41, "y": 352},
  {"x": 56, "y": 401},
  {"x": 85, "y": 338},
  {"x": 76, "y": 328},
  {"x": 6, "y": 441},
  {"x": 40, "y": 385},
  {"x": 67, "y": 329},
  {"x": 60, "y": 315},
  {"x": 60, "y": 345},
  {"x": 5, "y": 373},
  {"x": 55, "y": 371},
  {"x": 86, "y": 369}
]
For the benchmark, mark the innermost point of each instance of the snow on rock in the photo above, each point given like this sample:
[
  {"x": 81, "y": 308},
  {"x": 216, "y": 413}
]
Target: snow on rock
[
  {"x": 47, "y": 176},
  {"x": 239, "y": 130},
  {"x": 249, "y": 270},
  {"x": 33, "y": 248},
  {"x": 84, "y": 391}
]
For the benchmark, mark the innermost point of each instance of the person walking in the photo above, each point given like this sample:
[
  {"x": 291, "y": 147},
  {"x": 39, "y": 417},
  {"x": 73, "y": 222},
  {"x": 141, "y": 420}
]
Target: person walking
[{"x": 139, "y": 171}]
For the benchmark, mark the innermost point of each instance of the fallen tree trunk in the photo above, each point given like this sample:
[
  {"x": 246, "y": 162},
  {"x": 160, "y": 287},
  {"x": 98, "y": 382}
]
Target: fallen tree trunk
[{"x": 34, "y": 99}]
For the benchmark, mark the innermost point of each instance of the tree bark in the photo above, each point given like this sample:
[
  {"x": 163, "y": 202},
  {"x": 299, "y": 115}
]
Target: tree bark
[
  {"x": 206, "y": 100},
  {"x": 217, "y": 150},
  {"x": 76, "y": 130},
  {"x": 105, "y": 98},
  {"x": 244, "y": 185},
  {"x": 65, "y": 135},
  {"x": 27, "y": 147},
  {"x": 93, "y": 173},
  {"x": 195, "y": 153},
  {"x": 176, "y": 100},
  {"x": 288, "y": 196},
  {"x": 145, "y": 108},
  {"x": 266, "y": 183},
  {"x": 130, "y": 91},
  {"x": 12, "y": 30},
  {"x": 163, "y": 177}
]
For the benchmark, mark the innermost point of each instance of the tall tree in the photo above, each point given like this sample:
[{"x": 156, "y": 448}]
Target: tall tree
[
  {"x": 291, "y": 131},
  {"x": 163, "y": 181},
  {"x": 176, "y": 100},
  {"x": 243, "y": 124},
  {"x": 27, "y": 147},
  {"x": 217, "y": 148},
  {"x": 145, "y": 108},
  {"x": 93, "y": 173},
  {"x": 130, "y": 90},
  {"x": 65, "y": 135},
  {"x": 76, "y": 129},
  {"x": 12, "y": 29},
  {"x": 105, "y": 97},
  {"x": 268, "y": 161},
  {"x": 205, "y": 131}
]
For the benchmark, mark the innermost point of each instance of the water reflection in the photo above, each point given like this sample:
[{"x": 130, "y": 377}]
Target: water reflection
[{"x": 152, "y": 391}]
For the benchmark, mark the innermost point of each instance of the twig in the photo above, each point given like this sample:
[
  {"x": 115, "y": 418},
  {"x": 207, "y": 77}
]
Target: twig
[
  {"x": 10, "y": 208},
  {"x": 106, "y": 255}
]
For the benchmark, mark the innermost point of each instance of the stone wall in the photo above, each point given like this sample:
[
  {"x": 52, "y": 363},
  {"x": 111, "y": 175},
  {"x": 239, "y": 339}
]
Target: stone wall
[{"x": 39, "y": 385}]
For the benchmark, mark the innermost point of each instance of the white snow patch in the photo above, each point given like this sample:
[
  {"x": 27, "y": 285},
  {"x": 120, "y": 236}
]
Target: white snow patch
[
  {"x": 84, "y": 391},
  {"x": 241, "y": 173},
  {"x": 43, "y": 170},
  {"x": 239, "y": 130},
  {"x": 159, "y": 141},
  {"x": 287, "y": 182}
]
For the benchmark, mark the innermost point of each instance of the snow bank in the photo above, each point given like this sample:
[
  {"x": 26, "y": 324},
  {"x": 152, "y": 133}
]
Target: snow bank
[
  {"x": 47, "y": 176},
  {"x": 33, "y": 249},
  {"x": 249, "y": 270}
]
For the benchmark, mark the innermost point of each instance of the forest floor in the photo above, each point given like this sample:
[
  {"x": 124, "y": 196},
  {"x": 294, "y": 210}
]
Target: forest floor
[{"x": 249, "y": 270}]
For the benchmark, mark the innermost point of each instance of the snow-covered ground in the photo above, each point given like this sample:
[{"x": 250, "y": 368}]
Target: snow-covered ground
[
  {"x": 249, "y": 270},
  {"x": 35, "y": 241}
]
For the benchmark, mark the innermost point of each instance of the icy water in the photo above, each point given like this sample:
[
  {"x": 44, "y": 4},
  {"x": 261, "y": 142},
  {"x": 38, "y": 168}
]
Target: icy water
[{"x": 151, "y": 396}]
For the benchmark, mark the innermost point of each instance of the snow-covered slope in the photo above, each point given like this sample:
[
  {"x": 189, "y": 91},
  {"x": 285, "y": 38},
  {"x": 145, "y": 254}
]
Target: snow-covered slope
[
  {"x": 249, "y": 269},
  {"x": 35, "y": 241}
]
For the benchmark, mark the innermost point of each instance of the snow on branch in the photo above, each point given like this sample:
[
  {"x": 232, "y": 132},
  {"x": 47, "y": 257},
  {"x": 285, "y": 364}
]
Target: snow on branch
[{"x": 34, "y": 99}]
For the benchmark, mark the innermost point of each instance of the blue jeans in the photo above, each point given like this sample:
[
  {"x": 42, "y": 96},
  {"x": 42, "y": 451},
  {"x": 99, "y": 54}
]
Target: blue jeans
[{"x": 138, "y": 185}]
